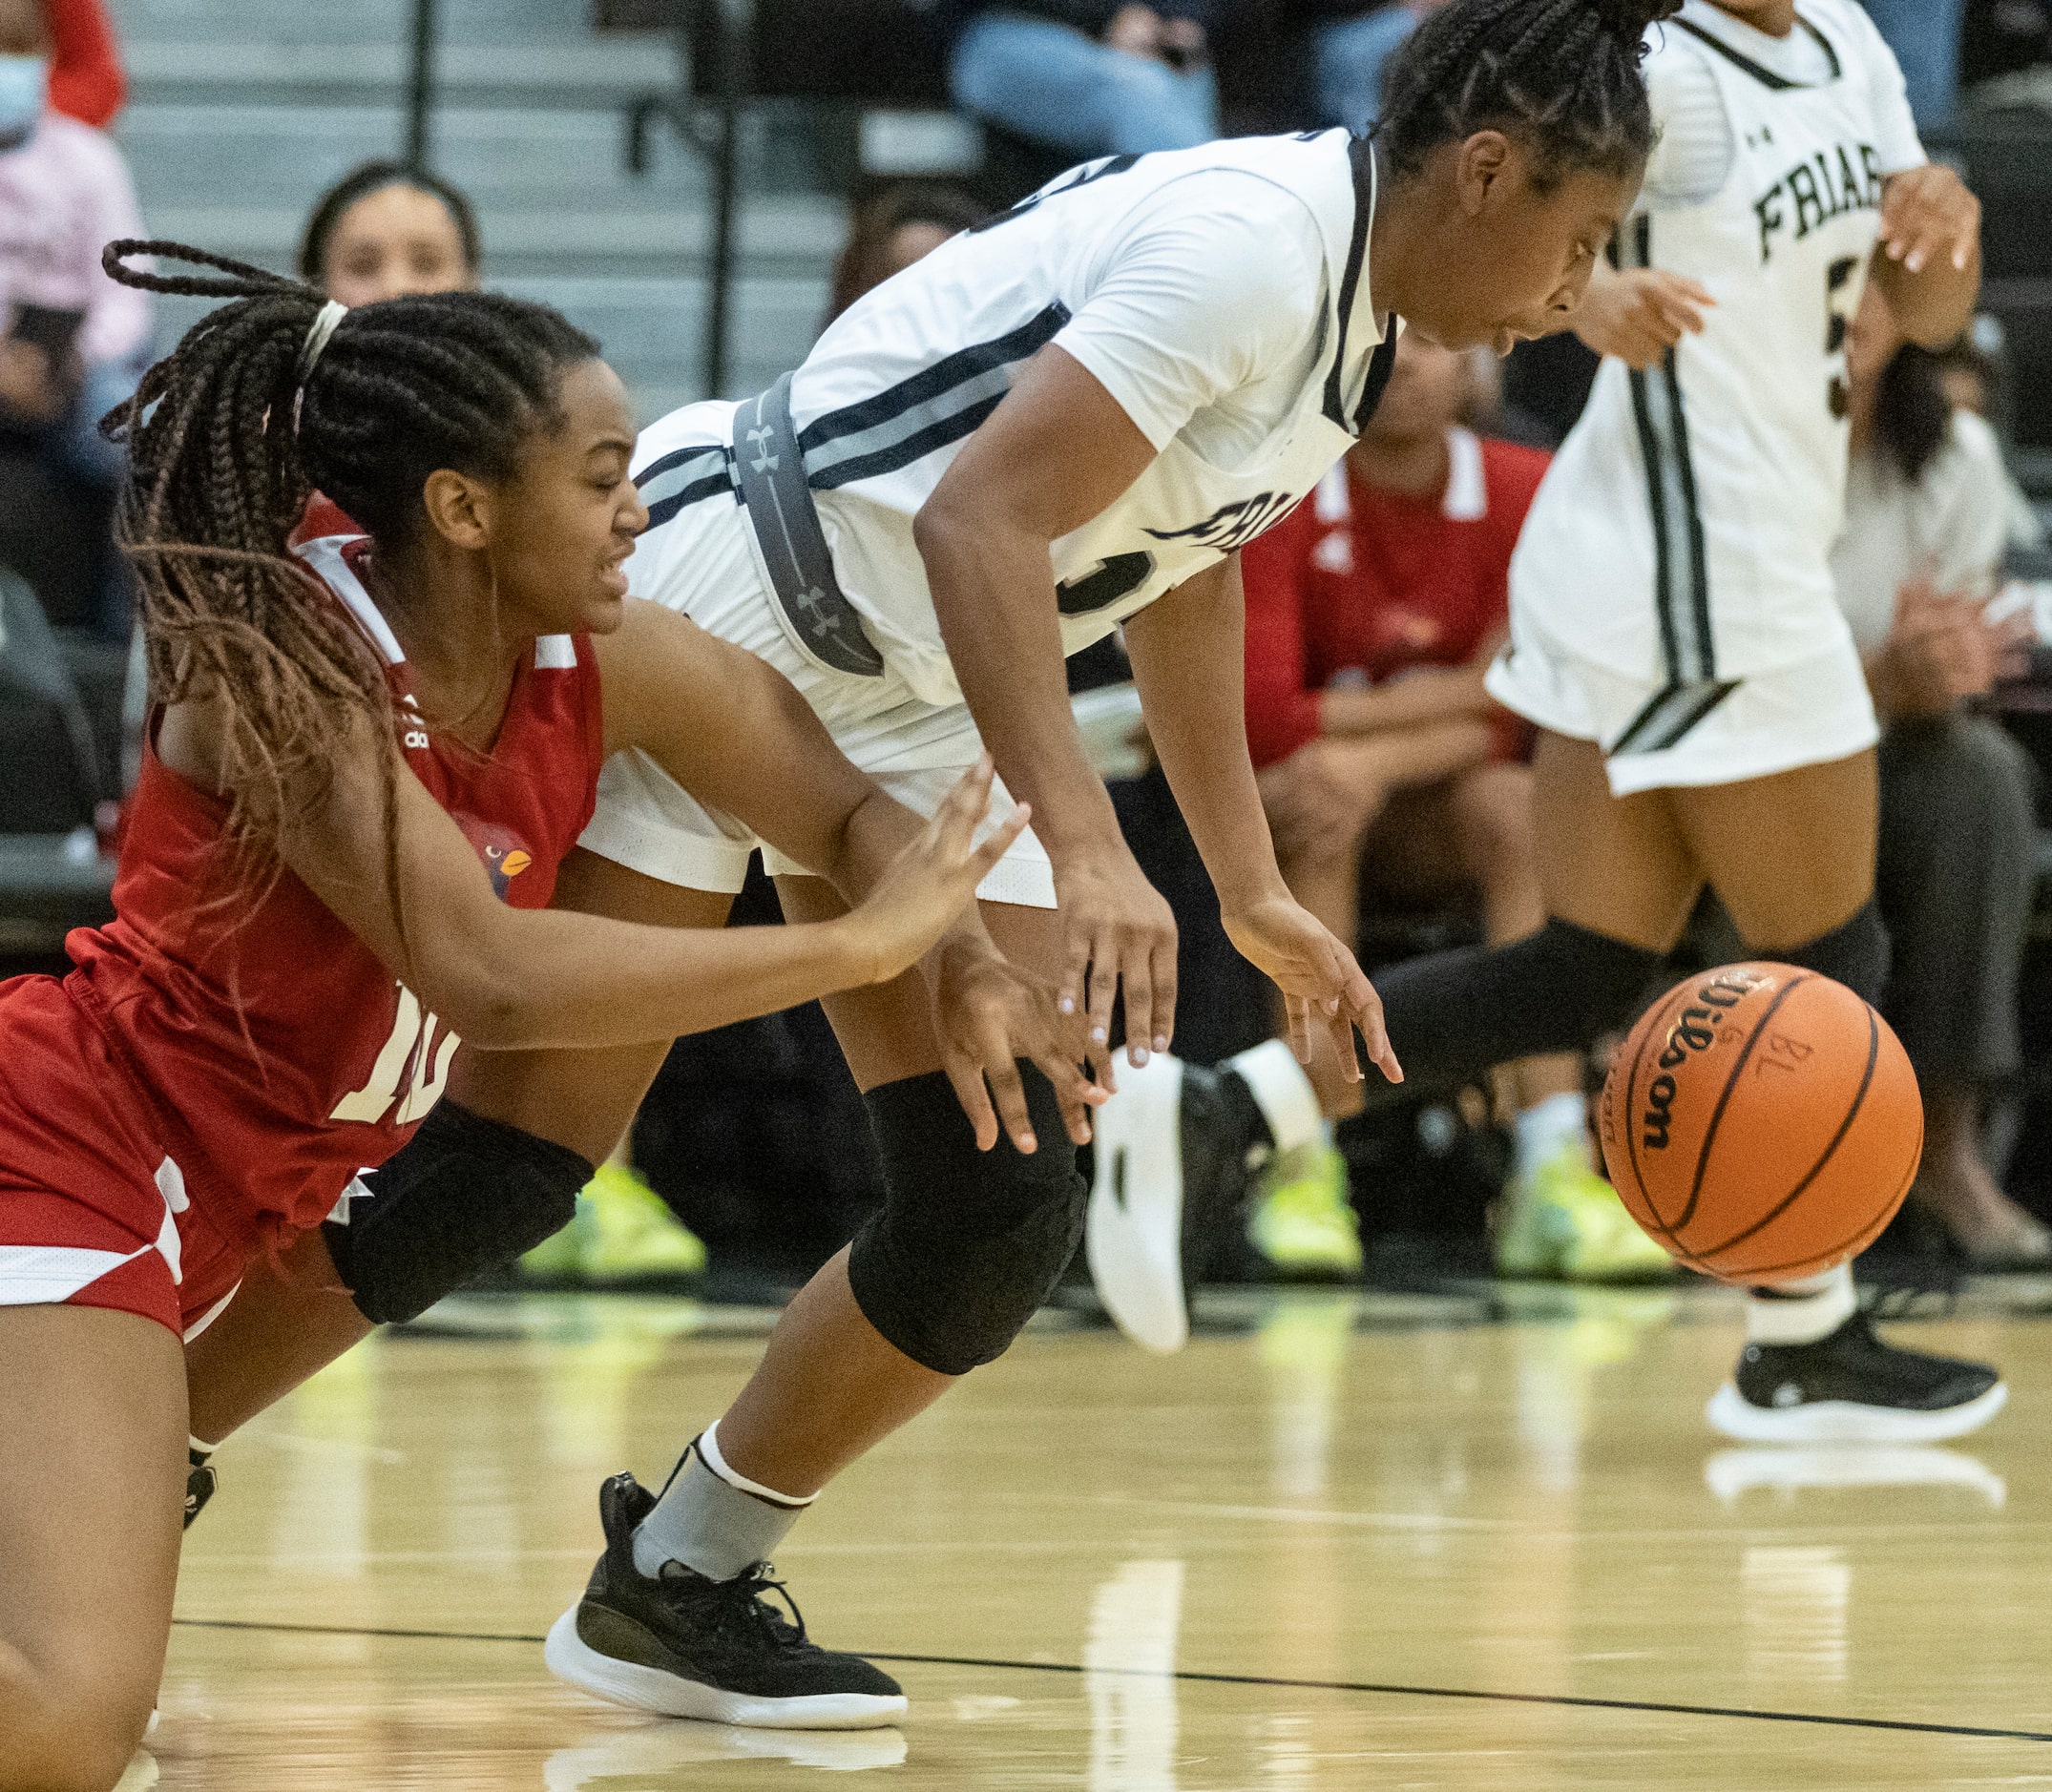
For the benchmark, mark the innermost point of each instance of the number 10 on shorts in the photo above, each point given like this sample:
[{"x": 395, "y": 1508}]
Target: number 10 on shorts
[{"x": 411, "y": 1070}]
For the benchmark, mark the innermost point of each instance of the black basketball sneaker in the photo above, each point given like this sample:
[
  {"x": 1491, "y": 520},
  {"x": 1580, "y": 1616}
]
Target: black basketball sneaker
[
  {"x": 717, "y": 1650},
  {"x": 1850, "y": 1388},
  {"x": 200, "y": 1482},
  {"x": 1174, "y": 1151}
]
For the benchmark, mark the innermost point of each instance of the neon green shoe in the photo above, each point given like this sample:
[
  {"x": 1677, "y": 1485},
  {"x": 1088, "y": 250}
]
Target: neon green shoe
[
  {"x": 1562, "y": 1221},
  {"x": 630, "y": 1234},
  {"x": 1303, "y": 1222},
  {"x": 557, "y": 1261}
]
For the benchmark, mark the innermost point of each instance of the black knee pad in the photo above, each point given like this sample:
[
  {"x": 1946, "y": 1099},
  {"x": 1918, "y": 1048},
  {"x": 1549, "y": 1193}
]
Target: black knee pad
[
  {"x": 462, "y": 1196},
  {"x": 1854, "y": 953},
  {"x": 968, "y": 1243}
]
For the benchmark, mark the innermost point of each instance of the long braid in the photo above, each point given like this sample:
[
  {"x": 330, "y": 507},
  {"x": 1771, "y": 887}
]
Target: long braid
[
  {"x": 1564, "y": 73},
  {"x": 227, "y": 445}
]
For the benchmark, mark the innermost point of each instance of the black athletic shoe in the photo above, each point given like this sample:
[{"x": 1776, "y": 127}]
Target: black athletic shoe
[
  {"x": 199, "y": 1482},
  {"x": 718, "y": 1650},
  {"x": 1852, "y": 1389},
  {"x": 1172, "y": 1155}
]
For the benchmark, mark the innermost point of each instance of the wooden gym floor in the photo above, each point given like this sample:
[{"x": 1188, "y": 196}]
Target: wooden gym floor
[{"x": 1343, "y": 1542}]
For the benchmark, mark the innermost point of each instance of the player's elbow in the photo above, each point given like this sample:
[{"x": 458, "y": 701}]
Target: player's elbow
[{"x": 489, "y": 998}]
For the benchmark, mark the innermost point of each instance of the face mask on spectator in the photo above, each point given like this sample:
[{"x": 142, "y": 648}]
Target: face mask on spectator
[{"x": 23, "y": 83}]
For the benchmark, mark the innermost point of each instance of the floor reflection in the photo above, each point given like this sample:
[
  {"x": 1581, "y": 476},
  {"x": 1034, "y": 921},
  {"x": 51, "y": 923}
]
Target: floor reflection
[
  {"x": 1129, "y": 1654},
  {"x": 659, "y": 1756},
  {"x": 1732, "y": 1473}
]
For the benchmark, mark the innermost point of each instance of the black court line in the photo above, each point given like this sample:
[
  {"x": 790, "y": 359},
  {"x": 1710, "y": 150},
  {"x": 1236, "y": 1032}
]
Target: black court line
[{"x": 1196, "y": 1676}]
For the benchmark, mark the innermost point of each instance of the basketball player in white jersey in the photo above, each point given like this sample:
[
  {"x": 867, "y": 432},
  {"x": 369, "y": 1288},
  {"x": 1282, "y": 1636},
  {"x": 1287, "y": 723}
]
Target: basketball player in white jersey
[
  {"x": 1066, "y": 420},
  {"x": 1673, "y": 630}
]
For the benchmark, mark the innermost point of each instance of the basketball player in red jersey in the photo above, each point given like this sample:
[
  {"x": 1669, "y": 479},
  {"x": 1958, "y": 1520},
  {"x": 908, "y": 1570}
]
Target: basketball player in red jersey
[{"x": 365, "y": 765}]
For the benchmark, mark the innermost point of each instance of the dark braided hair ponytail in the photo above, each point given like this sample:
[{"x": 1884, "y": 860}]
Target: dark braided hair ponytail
[
  {"x": 227, "y": 439},
  {"x": 1562, "y": 75}
]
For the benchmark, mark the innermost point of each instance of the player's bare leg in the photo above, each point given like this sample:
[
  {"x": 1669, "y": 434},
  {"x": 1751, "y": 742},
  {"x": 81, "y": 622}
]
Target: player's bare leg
[
  {"x": 92, "y": 1399},
  {"x": 830, "y": 1386}
]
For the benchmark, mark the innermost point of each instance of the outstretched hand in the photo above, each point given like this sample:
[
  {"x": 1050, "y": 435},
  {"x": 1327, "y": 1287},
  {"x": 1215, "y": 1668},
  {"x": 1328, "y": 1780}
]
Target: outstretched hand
[
  {"x": 1640, "y": 314},
  {"x": 989, "y": 1013},
  {"x": 1322, "y": 985},
  {"x": 928, "y": 885},
  {"x": 1119, "y": 931}
]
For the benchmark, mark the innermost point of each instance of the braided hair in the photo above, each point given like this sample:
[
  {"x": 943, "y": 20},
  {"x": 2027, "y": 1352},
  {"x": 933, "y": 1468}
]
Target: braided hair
[
  {"x": 228, "y": 439},
  {"x": 1562, "y": 75}
]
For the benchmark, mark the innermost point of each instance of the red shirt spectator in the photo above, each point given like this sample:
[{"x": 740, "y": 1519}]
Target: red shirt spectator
[
  {"x": 86, "y": 81},
  {"x": 1360, "y": 584}
]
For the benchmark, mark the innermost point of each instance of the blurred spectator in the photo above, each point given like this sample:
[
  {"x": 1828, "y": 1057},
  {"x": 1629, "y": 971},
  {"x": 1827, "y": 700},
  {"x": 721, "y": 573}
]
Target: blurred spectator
[
  {"x": 386, "y": 229},
  {"x": 1372, "y": 614},
  {"x": 1351, "y": 42},
  {"x": 86, "y": 81},
  {"x": 1925, "y": 36},
  {"x": 75, "y": 343},
  {"x": 1092, "y": 78},
  {"x": 1927, "y": 514},
  {"x": 893, "y": 228}
]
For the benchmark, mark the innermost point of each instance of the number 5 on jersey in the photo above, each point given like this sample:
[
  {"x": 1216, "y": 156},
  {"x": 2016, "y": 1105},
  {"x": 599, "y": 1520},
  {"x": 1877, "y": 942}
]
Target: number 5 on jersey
[{"x": 411, "y": 1070}]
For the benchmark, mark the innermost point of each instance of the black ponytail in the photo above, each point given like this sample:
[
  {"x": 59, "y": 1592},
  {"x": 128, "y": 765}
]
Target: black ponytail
[
  {"x": 1912, "y": 413},
  {"x": 1562, "y": 75}
]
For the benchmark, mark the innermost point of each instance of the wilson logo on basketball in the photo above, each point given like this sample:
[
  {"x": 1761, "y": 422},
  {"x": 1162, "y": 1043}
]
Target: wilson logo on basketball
[{"x": 1695, "y": 1030}]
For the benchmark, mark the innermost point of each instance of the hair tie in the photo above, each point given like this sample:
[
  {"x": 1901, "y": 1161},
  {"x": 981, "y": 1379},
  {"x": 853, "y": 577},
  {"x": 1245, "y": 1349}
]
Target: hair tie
[{"x": 318, "y": 332}]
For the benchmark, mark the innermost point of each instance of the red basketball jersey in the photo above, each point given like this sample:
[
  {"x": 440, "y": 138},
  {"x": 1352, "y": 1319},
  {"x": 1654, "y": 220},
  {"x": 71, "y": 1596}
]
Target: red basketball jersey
[{"x": 279, "y": 1053}]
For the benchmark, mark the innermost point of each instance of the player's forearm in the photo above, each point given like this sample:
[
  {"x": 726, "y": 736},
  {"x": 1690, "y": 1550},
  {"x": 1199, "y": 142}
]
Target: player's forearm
[
  {"x": 994, "y": 593},
  {"x": 1433, "y": 695},
  {"x": 1933, "y": 304},
  {"x": 534, "y": 979},
  {"x": 1189, "y": 670}
]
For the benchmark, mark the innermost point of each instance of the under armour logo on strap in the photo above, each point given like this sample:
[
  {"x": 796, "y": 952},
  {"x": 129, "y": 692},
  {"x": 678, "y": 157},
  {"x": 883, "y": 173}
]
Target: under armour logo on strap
[{"x": 765, "y": 462}]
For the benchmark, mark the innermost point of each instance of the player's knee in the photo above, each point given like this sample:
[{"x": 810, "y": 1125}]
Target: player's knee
[
  {"x": 1855, "y": 953},
  {"x": 968, "y": 1243},
  {"x": 465, "y": 1195}
]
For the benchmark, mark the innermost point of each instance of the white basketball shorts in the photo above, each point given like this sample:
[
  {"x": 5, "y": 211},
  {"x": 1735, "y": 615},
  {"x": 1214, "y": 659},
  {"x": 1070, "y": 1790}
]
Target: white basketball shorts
[
  {"x": 649, "y": 822},
  {"x": 1717, "y": 732}
]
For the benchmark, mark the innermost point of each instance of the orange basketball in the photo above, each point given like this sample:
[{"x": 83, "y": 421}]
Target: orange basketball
[{"x": 1762, "y": 1122}]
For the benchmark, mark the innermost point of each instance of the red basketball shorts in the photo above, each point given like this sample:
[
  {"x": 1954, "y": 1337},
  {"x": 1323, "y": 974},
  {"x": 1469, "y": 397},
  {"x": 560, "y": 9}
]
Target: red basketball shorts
[{"x": 93, "y": 1211}]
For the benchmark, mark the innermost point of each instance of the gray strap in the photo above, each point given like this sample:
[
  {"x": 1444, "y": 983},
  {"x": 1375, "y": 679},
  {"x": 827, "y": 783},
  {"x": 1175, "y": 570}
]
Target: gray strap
[{"x": 771, "y": 469}]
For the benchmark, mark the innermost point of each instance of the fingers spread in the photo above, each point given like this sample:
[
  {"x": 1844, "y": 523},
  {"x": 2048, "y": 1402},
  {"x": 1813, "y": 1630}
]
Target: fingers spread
[{"x": 966, "y": 1080}]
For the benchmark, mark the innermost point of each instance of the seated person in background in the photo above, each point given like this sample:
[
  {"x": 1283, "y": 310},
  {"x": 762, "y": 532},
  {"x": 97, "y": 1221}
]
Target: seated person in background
[
  {"x": 1351, "y": 42},
  {"x": 1371, "y": 614},
  {"x": 1094, "y": 77},
  {"x": 75, "y": 343},
  {"x": 86, "y": 81},
  {"x": 1927, "y": 508},
  {"x": 385, "y": 230},
  {"x": 894, "y": 227}
]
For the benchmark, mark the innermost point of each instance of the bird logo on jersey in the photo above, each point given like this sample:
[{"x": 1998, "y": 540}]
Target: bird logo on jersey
[{"x": 505, "y": 855}]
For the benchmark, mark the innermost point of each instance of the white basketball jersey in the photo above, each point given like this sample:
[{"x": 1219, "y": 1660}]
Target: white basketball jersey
[
  {"x": 1683, "y": 535},
  {"x": 1250, "y": 379}
]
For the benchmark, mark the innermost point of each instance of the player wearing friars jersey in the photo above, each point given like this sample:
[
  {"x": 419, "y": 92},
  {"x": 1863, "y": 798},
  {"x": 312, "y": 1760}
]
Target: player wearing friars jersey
[
  {"x": 1673, "y": 626},
  {"x": 366, "y": 766},
  {"x": 1067, "y": 419}
]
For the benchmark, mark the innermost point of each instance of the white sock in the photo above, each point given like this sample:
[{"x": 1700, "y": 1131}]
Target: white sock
[
  {"x": 1549, "y": 1127},
  {"x": 1801, "y": 1312},
  {"x": 716, "y": 1522},
  {"x": 1282, "y": 1091}
]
